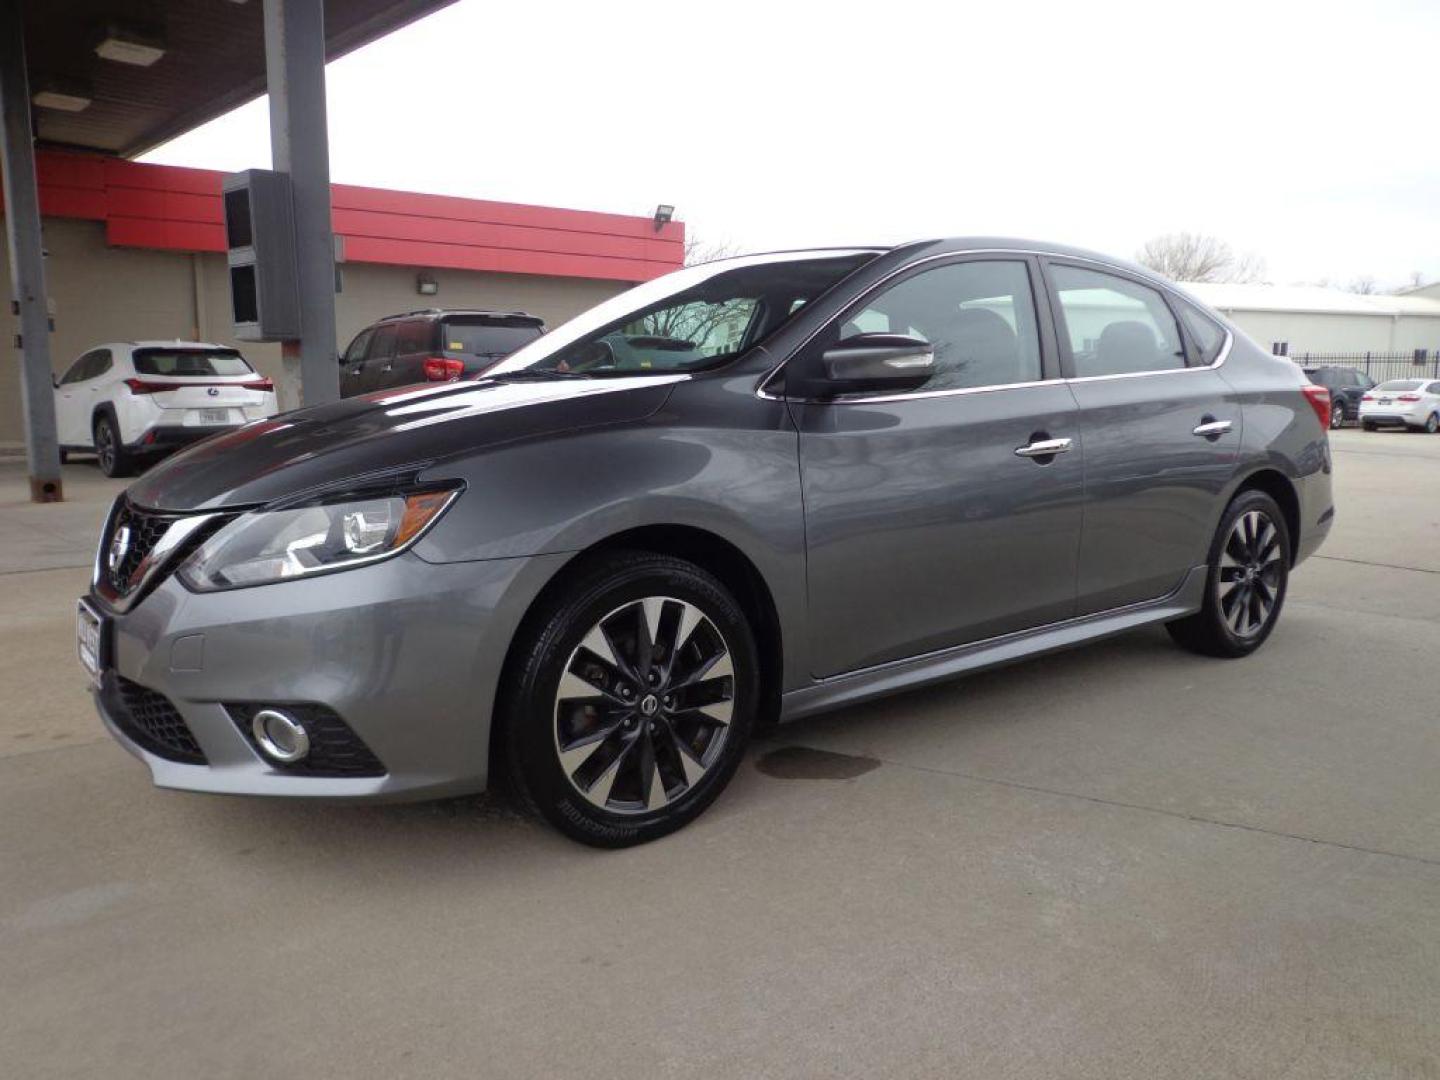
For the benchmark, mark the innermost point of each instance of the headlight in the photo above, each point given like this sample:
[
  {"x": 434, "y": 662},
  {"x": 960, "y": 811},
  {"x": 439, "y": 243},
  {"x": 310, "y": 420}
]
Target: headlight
[{"x": 275, "y": 545}]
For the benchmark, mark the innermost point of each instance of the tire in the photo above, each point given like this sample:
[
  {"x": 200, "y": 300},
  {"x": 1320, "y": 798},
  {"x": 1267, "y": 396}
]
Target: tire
[
  {"x": 64, "y": 456},
  {"x": 1249, "y": 566},
  {"x": 606, "y": 767},
  {"x": 1432, "y": 423},
  {"x": 1337, "y": 416},
  {"x": 110, "y": 452},
  {"x": 1366, "y": 425}
]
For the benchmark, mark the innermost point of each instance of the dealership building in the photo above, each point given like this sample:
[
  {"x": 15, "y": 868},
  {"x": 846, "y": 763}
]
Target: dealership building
[{"x": 137, "y": 251}]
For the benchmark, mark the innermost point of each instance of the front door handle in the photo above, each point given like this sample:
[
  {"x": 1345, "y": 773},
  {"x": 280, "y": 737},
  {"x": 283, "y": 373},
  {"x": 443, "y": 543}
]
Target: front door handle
[
  {"x": 1044, "y": 448},
  {"x": 1212, "y": 429}
]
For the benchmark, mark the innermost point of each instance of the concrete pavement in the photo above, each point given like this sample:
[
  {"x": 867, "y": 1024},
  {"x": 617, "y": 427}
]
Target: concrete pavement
[{"x": 1123, "y": 861}]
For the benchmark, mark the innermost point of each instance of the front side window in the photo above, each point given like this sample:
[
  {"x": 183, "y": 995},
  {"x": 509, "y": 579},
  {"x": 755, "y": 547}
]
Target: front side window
[
  {"x": 79, "y": 370},
  {"x": 190, "y": 362},
  {"x": 980, "y": 317},
  {"x": 1115, "y": 326},
  {"x": 382, "y": 346},
  {"x": 690, "y": 320},
  {"x": 356, "y": 352}
]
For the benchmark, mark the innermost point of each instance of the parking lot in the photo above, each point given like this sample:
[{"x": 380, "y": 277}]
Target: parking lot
[{"x": 1123, "y": 861}]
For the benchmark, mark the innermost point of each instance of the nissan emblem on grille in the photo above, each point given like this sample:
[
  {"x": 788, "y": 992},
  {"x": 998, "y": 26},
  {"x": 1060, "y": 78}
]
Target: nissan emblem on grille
[{"x": 119, "y": 548}]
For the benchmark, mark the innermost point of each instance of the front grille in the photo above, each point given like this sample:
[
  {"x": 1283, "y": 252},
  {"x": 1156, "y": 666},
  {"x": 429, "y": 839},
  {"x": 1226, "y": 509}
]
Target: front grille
[
  {"x": 143, "y": 530},
  {"x": 335, "y": 750},
  {"x": 149, "y": 720}
]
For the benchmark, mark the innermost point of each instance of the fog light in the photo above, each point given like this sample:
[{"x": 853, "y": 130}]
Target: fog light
[{"x": 280, "y": 735}]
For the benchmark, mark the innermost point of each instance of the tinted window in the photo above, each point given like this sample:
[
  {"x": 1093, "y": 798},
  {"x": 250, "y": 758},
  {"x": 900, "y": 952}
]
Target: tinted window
[
  {"x": 77, "y": 371},
  {"x": 1433, "y": 388},
  {"x": 414, "y": 337},
  {"x": 1115, "y": 326},
  {"x": 488, "y": 338},
  {"x": 190, "y": 362},
  {"x": 1399, "y": 386},
  {"x": 98, "y": 363},
  {"x": 357, "y": 347},
  {"x": 383, "y": 344},
  {"x": 980, "y": 316},
  {"x": 1208, "y": 335}
]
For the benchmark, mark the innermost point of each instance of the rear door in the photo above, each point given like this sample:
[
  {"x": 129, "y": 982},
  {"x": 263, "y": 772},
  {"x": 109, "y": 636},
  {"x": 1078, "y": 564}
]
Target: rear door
[
  {"x": 352, "y": 364},
  {"x": 1161, "y": 430},
  {"x": 414, "y": 344},
  {"x": 379, "y": 359},
  {"x": 924, "y": 527}
]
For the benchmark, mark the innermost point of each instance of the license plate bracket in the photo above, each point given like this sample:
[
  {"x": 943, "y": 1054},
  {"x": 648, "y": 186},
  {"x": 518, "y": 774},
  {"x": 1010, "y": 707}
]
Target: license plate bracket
[{"x": 92, "y": 640}]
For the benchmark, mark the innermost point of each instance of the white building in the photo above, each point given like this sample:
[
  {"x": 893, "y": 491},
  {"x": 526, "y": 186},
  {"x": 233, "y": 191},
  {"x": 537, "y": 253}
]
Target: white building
[{"x": 1300, "y": 319}]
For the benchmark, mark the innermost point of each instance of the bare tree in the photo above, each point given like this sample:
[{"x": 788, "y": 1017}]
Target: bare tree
[
  {"x": 699, "y": 251},
  {"x": 1187, "y": 256},
  {"x": 1364, "y": 285},
  {"x": 1417, "y": 281}
]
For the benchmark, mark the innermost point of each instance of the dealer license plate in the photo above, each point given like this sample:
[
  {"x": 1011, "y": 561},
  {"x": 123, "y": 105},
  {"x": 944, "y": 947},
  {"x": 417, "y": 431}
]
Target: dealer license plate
[{"x": 90, "y": 639}]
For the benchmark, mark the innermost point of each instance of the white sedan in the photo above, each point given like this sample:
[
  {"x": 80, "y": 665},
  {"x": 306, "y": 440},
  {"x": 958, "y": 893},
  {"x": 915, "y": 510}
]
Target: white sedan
[
  {"x": 129, "y": 400},
  {"x": 1412, "y": 402}
]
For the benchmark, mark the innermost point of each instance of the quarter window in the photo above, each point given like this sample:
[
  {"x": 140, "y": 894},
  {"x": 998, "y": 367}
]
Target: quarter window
[
  {"x": 1115, "y": 326},
  {"x": 980, "y": 316},
  {"x": 1207, "y": 334}
]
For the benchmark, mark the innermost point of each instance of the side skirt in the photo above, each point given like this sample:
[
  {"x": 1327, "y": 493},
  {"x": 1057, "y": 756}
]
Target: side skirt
[{"x": 858, "y": 686}]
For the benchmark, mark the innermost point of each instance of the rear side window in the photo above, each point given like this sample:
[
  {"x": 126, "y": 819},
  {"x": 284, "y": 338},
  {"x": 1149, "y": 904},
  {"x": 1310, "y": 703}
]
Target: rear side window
[
  {"x": 1433, "y": 388},
  {"x": 414, "y": 337},
  {"x": 1115, "y": 326},
  {"x": 489, "y": 339},
  {"x": 190, "y": 362},
  {"x": 1205, "y": 332}
]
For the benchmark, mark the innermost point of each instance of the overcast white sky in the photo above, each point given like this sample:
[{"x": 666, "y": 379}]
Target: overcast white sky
[{"x": 1305, "y": 132}]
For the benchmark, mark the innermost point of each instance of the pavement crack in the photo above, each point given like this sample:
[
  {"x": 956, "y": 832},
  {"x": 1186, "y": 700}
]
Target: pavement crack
[
  {"x": 1381, "y": 565},
  {"x": 1178, "y": 814}
]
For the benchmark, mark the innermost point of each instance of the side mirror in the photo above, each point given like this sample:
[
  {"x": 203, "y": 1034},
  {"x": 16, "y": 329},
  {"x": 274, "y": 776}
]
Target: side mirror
[{"x": 879, "y": 361}]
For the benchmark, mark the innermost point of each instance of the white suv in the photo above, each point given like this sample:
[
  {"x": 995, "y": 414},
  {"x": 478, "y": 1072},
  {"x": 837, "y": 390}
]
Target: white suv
[{"x": 133, "y": 399}]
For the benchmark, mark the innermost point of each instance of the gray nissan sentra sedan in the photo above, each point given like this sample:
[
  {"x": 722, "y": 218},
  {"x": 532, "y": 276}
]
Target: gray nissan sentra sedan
[{"x": 744, "y": 492}]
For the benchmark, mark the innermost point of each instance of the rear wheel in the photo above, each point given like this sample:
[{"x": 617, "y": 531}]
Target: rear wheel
[
  {"x": 632, "y": 700},
  {"x": 1337, "y": 415},
  {"x": 1245, "y": 588},
  {"x": 109, "y": 450}
]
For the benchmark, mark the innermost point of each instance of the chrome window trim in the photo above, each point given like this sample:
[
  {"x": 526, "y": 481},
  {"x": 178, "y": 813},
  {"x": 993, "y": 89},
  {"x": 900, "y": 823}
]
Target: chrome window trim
[{"x": 762, "y": 392}]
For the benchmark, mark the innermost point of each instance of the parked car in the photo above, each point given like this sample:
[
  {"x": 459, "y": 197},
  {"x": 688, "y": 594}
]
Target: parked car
[
  {"x": 1346, "y": 385},
  {"x": 131, "y": 401},
  {"x": 432, "y": 346},
  {"x": 592, "y": 571},
  {"x": 1414, "y": 403}
]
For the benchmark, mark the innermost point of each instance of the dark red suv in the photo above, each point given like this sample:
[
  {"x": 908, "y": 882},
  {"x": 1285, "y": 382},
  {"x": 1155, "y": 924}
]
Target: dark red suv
[{"x": 432, "y": 346}]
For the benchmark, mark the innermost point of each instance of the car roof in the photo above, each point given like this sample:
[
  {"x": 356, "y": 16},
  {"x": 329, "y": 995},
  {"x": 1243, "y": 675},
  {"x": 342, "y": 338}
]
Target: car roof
[{"x": 176, "y": 343}]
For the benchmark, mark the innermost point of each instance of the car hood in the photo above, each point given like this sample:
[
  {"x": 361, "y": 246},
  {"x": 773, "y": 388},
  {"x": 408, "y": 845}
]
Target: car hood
[{"x": 412, "y": 427}]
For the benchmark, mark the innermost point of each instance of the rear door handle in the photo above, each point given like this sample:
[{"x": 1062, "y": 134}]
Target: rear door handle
[
  {"x": 1211, "y": 429},
  {"x": 1044, "y": 448}
]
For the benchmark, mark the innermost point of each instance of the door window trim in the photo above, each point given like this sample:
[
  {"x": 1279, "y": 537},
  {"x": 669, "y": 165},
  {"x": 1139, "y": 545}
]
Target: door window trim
[
  {"x": 1045, "y": 318},
  {"x": 1050, "y": 373},
  {"x": 1168, "y": 297}
]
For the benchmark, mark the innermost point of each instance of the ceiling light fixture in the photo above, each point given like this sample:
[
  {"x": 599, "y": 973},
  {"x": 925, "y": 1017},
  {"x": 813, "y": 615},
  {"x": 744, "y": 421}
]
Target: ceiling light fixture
[{"x": 129, "y": 45}]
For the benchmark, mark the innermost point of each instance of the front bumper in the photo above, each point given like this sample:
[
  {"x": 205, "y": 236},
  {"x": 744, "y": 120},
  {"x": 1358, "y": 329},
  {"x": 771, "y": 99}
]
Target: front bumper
[{"x": 408, "y": 653}]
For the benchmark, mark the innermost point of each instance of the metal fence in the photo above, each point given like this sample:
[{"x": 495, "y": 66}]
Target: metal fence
[{"x": 1420, "y": 364}]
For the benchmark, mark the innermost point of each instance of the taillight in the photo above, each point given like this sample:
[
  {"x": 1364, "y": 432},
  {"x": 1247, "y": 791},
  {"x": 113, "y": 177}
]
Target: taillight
[
  {"x": 1319, "y": 399},
  {"x": 140, "y": 386},
  {"x": 1408, "y": 397},
  {"x": 443, "y": 369},
  {"x": 265, "y": 385},
  {"x": 1367, "y": 397}
]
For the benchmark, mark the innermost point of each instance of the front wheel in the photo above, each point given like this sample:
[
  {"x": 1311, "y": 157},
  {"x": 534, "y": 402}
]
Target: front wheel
[
  {"x": 1245, "y": 588},
  {"x": 631, "y": 701},
  {"x": 1432, "y": 424}
]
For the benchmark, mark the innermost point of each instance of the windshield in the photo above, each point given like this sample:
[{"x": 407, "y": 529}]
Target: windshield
[
  {"x": 190, "y": 362},
  {"x": 686, "y": 321},
  {"x": 1396, "y": 385},
  {"x": 485, "y": 337}
]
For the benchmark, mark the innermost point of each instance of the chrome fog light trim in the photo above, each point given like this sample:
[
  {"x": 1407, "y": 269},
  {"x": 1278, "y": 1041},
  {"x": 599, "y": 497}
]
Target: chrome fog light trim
[{"x": 280, "y": 736}]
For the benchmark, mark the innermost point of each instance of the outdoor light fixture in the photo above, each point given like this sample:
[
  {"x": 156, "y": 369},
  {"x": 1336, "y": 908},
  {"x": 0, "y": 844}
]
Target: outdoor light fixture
[
  {"x": 663, "y": 216},
  {"x": 129, "y": 45},
  {"x": 426, "y": 285},
  {"x": 67, "y": 95}
]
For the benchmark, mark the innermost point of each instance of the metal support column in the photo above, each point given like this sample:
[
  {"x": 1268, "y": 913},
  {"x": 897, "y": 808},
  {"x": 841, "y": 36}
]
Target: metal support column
[
  {"x": 299, "y": 145},
  {"x": 27, "y": 261}
]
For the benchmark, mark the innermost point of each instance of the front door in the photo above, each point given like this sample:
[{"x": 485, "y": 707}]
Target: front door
[
  {"x": 352, "y": 364},
  {"x": 380, "y": 360},
  {"x": 924, "y": 527},
  {"x": 1161, "y": 430}
]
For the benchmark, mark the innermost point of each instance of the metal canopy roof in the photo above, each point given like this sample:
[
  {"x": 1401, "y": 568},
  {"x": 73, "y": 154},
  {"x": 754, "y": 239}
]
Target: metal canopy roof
[{"x": 214, "y": 60}]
